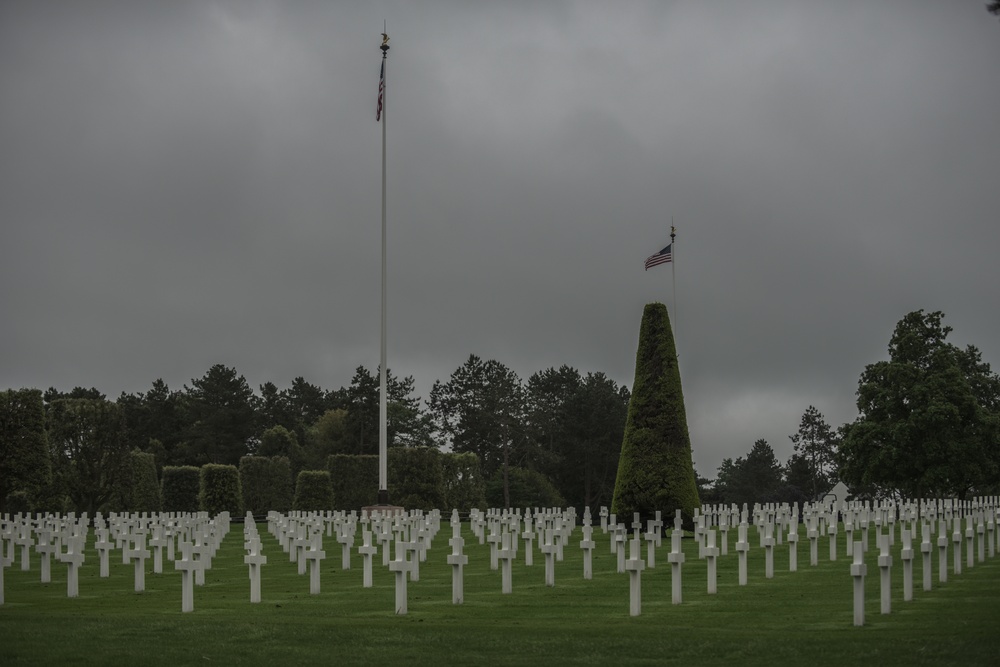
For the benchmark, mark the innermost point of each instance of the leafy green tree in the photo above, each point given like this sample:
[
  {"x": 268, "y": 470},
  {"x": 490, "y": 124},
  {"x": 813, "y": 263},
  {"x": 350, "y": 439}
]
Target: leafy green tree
[
  {"x": 24, "y": 454},
  {"x": 655, "y": 469},
  {"x": 929, "y": 420},
  {"x": 279, "y": 441},
  {"x": 481, "y": 409},
  {"x": 577, "y": 424},
  {"x": 817, "y": 444},
  {"x": 326, "y": 437},
  {"x": 464, "y": 486},
  {"x": 526, "y": 488},
  {"x": 222, "y": 420},
  {"x": 88, "y": 449}
]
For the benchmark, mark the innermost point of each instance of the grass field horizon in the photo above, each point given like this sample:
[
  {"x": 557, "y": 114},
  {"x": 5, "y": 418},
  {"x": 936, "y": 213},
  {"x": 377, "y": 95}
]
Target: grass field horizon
[{"x": 793, "y": 618}]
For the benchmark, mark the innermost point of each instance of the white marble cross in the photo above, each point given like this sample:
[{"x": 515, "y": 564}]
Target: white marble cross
[
  {"x": 676, "y": 560},
  {"x": 24, "y": 541},
  {"x": 314, "y": 554},
  {"x": 925, "y": 553},
  {"x": 943, "y": 551},
  {"x": 458, "y": 561},
  {"x": 367, "y": 551},
  {"x": 45, "y": 548},
  {"x": 635, "y": 565},
  {"x": 506, "y": 556},
  {"x": 138, "y": 555},
  {"x": 549, "y": 550},
  {"x": 186, "y": 564},
  {"x": 400, "y": 566},
  {"x": 858, "y": 571},
  {"x": 588, "y": 544},
  {"x": 104, "y": 551},
  {"x": 255, "y": 559},
  {"x": 711, "y": 554},
  {"x": 885, "y": 571},
  {"x": 906, "y": 555},
  {"x": 742, "y": 547},
  {"x": 74, "y": 559},
  {"x": 157, "y": 542},
  {"x": 528, "y": 536}
]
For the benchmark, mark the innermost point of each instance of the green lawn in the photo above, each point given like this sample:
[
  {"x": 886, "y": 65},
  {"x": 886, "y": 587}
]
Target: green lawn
[{"x": 802, "y": 618}]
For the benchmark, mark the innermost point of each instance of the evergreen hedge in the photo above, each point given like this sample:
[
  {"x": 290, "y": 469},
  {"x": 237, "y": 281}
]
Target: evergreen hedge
[
  {"x": 313, "y": 491},
  {"x": 220, "y": 490},
  {"x": 416, "y": 479},
  {"x": 266, "y": 482},
  {"x": 143, "y": 492},
  {"x": 180, "y": 488},
  {"x": 655, "y": 470},
  {"x": 354, "y": 479}
]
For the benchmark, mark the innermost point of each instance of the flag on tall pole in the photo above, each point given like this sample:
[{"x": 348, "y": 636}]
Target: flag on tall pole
[
  {"x": 383, "y": 455},
  {"x": 662, "y": 257},
  {"x": 381, "y": 89}
]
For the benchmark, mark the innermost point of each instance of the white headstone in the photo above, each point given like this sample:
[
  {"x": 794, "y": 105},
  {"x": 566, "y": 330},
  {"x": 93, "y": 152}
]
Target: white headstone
[
  {"x": 635, "y": 565},
  {"x": 858, "y": 571}
]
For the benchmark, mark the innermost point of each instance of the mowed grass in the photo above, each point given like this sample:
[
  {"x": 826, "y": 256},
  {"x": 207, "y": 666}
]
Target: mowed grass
[{"x": 801, "y": 618}]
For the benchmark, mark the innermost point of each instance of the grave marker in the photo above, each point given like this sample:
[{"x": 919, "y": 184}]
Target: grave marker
[
  {"x": 186, "y": 565},
  {"x": 635, "y": 566},
  {"x": 906, "y": 555},
  {"x": 858, "y": 571}
]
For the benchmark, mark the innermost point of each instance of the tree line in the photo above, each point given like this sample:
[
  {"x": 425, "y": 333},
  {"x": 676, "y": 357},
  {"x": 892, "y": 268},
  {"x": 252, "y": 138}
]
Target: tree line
[
  {"x": 928, "y": 425},
  {"x": 556, "y": 435}
]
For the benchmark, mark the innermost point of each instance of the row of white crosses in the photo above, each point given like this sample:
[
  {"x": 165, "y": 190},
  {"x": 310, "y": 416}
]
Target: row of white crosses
[
  {"x": 300, "y": 535},
  {"x": 64, "y": 538},
  {"x": 980, "y": 520}
]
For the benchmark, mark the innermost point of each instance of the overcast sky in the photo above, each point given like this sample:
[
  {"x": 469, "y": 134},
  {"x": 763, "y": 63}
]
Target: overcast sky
[{"x": 190, "y": 183}]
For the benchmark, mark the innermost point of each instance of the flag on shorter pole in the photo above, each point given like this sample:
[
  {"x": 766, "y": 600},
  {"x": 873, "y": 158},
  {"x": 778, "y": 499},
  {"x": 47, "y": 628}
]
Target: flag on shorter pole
[
  {"x": 661, "y": 257},
  {"x": 381, "y": 88}
]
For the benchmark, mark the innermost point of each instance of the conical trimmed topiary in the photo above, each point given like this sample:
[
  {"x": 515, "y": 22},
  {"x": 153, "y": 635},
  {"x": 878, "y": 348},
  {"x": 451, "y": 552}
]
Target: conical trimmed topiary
[{"x": 655, "y": 471}]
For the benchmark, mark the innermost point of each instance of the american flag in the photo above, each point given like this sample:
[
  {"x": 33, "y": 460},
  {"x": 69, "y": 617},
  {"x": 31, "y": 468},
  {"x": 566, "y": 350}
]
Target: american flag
[
  {"x": 661, "y": 257},
  {"x": 381, "y": 89}
]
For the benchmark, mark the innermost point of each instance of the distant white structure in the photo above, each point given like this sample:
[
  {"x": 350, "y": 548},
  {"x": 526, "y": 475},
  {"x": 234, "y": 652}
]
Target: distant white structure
[{"x": 839, "y": 493}]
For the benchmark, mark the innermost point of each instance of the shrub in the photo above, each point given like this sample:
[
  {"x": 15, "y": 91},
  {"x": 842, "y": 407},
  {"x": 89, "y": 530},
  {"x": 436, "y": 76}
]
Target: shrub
[
  {"x": 354, "y": 479},
  {"x": 220, "y": 490},
  {"x": 180, "y": 488},
  {"x": 266, "y": 483},
  {"x": 313, "y": 491},
  {"x": 655, "y": 470}
]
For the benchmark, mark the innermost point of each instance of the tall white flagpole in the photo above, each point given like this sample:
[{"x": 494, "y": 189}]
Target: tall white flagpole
[{"x": 383, "y": 482}]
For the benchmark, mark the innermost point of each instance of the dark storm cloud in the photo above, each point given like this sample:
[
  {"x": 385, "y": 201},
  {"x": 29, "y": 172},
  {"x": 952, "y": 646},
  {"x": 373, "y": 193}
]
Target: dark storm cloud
[{"x": 183, "y": 184}]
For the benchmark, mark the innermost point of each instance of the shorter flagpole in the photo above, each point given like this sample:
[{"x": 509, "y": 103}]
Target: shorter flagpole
[{"x": 673, "y": 267}]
